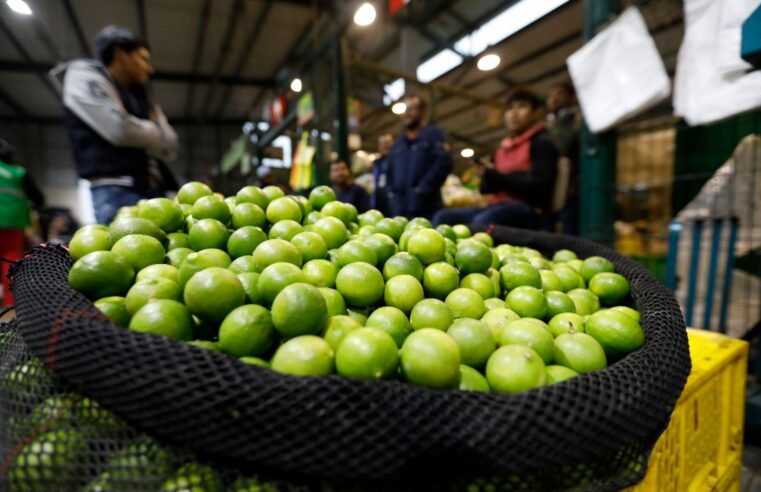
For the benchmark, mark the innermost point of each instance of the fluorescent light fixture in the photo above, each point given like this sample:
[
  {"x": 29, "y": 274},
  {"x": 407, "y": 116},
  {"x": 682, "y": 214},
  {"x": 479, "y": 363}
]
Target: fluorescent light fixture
[
  {"x": 394, "y": 90},
  {"x": 488, "y": 62},
  {"x": 437, "y": 65},
  {"x": 497, "y": 29},
  {"x": 467, "y": 153},
  {"x": 399, "y": 108},
  {"x": 365, "y": 14},
  {"x": 296, "y": 85},
  {"x": 19, "y": 6}
]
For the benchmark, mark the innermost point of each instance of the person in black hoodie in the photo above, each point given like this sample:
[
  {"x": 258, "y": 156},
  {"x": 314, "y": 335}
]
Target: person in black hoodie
[{"x": 120, "y": 138}]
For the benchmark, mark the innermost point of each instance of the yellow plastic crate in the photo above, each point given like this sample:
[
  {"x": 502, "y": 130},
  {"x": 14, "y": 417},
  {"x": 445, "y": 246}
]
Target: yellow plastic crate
[{"x": 701, "y": 450}]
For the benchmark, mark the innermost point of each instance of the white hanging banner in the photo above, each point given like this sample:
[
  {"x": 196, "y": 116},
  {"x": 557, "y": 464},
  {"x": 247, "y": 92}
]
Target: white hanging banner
[
  {"x": 712, "y": 81},
  {"x": 619, "y": 73}
]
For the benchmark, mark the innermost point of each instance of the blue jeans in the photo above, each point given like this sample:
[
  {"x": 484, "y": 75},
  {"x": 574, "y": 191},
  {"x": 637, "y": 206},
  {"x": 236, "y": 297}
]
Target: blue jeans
[
  {"x": 513, "y": 214},
  {"x": 107, "y": 200}
]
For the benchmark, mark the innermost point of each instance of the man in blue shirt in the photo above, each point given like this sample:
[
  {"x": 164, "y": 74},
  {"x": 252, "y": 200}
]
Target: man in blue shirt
[
  {"x": 418, "y": 164},
  {"x": 379, "y": 198},
  {"x": 344, "y": 187}
]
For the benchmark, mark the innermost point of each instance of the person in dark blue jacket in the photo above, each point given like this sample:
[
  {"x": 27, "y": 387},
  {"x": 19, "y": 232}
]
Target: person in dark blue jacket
[{"x": 418, "y": 164}]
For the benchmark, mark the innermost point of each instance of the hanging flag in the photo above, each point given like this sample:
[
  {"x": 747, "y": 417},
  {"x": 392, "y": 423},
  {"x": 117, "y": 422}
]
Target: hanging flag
[{"x": 302, "y": 170}]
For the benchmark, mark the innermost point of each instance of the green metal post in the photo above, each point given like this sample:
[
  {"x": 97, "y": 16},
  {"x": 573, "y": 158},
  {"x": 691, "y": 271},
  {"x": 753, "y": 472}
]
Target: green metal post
[
  {"x": 339, "y": 101},
  {"x": 597, "y": 177}
]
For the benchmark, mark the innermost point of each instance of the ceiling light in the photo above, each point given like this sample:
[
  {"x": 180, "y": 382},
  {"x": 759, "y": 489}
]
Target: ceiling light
[
  {"x": 296, "y": 85},
  {"x": 488, "y": 62},
  {"x": 365, "y": 15},
  {"x": 399, "y": 108},
  {"x": 467, "y": 153},
  {"x": 19, "y": 6}
]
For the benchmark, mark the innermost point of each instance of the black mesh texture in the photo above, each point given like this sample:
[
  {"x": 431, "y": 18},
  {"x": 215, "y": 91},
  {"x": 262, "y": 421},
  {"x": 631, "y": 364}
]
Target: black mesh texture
[{"x": 593, "y": 432}]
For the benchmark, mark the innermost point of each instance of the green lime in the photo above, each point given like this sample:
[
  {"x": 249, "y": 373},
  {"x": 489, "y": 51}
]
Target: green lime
[
  {"x": 208, "y": 233},
  {"x": 384, "y": 247},
  {"x": 277, "y": 277},
  {"x": 558, "y": 302},
  {"x": 569, "y": 278},
  {"x": 248, "y": 214},
  {"x": 299, "y": 309},
  {"x": 338, "y": 327},
  {"x": 447, "y": 231},
  {"x": 212, "y": 293},
  {"x": 367, "y": 353},
  {"x": 276, "y": 251},
  {"x": 195, "y": 262},
  {"x": 524, "y": 332},
  {"x": 390, "y": 228},
  {"x": 493, "y": 303},
  {"x": 431, "y": 313},
  {"x": 370, "y": 218},
  {"x": 134, "y": 225},
  {"x": 594, "y": 265},
  {"x": 439, "y": 279},
  {"x": 150, "y": 290},
  {"x": 391, "y": 320},
  {"x": 496, "y": 281},
  {"x": 254, "y": 361},
  {"x": 497, "y": 320},
  {"x": 586, "y": 302},
  {"x": 250, "y": 283},
  {"x": 339, "y": 210},
  {"x": 427, "y": 245},
  {"x": 164, "y": 317},
  {"x": 556, "y": 374},
  {"x": 617, "y": 332},
  {"x": 177, "y": 240},
  {"x": 46, "y": 460},
  {"x": 461, "y": 231},
  {"x": 403, "y": 264},
  {"x": 632, "y": 313},
  {"x": 332, "y": 230},
  {"x": 211, "y": 207},
  {"x": 192, "y": 191},
  {"x": 246, "y": 331},
  {"x": 176, "y": 256},
  {"x": 115, "y": 308},
  {"x": 527, "y": 302},
  {"x": 479, "y": 283},
  {"x": 356, "y": 251},
  {"x": 550, "y": 281},
  {"x": 163, "y": 212},
  {"x": 306, "y": 205},
  {"x": 334, "y": 301},
  {"x": 231, "y": 202},
  {"x": 518, "y": 274},
  {"x": 285, "y": 229},
  {"x": 312, "y": 217},
  {"x": 566, "y": 322},
  {"x": 575, "y": 265},
  {"x": 245, "y": 240},
  {"x": 472, "y": 380},
  {"x": 193, "y": 477},
  {"x": 431, "y": 358},
  {"x": 539, "y": 263},
  {"x": 515, "y": 368},
  {"x": 283, "y": 208},
  {"x": 320, "y": 273},
  {"x": 101, "y": 274},
  {"x": 253, "y": 195},
  {"x": 311, "y": 245},
  {"x": 305, "y": 355},
  {"x": 609, "y": 287},
  {"x": 139, "y": 250},
  {"x": 321, "y": 196},
  {"x": 579, "y": 352},
  {"x": 360, "y": 284},
  {"x": 403, "y": 292},
  {"x": 563, "y": 255},
  {"x": 205, "y": 344},
  {"x": 475, "y": 341},
  {"x": 419, "y": 221},
  {"x": 465, "y": 303},
  {"x": 242, "y": 264},
  {"x": 484, "y": 238},
  {"x": 473, "y": 257},
  {"x": 88, "y": 241},
  {"x": 186, "y": 209},
  {"x": 273, "y": 192}
]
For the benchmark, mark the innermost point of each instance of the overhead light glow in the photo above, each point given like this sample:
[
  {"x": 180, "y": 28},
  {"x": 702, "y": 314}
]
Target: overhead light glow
[
  {"x": 19, "y": 6},
  {"x": 437, "y": 65},
  {"x": 488, "y": 62},
  {"x": 263, "y": 126},
  {"x": 325, "y": 136},
  {"x": 247, "y": 127},
  {"x": 395, "y": 89},
  {"x": 365, "y": 14},
  {"x": 399, "y": 108},
  {"x": 296, "y": 85},
  {"x": 467, "y": 153}
]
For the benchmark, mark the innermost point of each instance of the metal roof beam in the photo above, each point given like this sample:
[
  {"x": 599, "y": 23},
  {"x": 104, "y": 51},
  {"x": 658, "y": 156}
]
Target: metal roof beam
[
  {"x": 11, "y": 103},
  {"x": 72, "y": 15},
  {"x": 27, "y": 57},
  {"x": 203, "y": 23}
]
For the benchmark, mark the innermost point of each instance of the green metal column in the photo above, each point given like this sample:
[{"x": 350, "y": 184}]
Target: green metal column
[
  {"x": 597, "y": 177},
  {"x": 340, "y": 124}
]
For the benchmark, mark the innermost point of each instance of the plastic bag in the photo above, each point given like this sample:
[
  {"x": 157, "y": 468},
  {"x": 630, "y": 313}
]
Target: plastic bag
[{"x": 618, "y": 73}]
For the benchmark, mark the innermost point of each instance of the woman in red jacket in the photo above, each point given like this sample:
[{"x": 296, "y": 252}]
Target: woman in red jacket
[{"x": 520, "y": 179}]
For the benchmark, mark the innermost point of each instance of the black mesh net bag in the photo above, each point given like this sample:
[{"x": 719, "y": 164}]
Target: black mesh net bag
[{"x": 85, "y": 405}]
